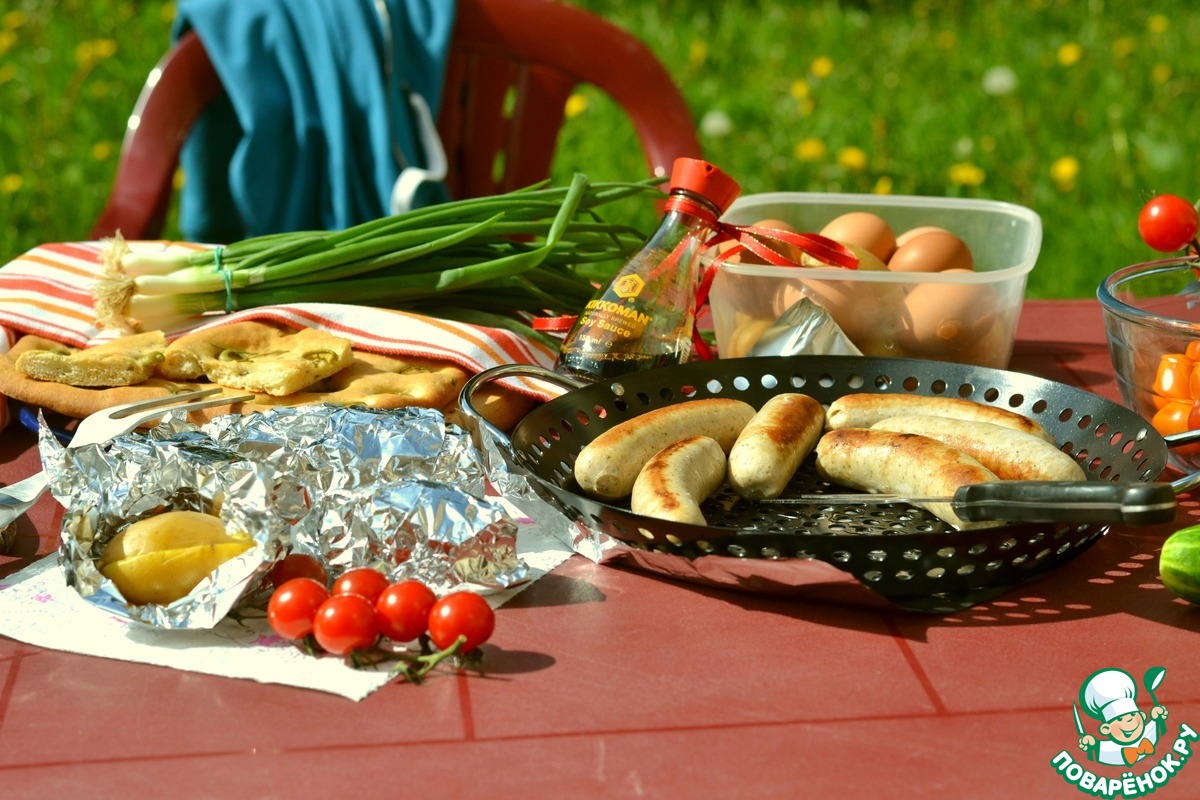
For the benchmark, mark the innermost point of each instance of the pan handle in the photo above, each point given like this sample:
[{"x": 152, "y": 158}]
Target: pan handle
[
  {"x": 506, "y": 371},
  {"x": 1187, "y": 482}
]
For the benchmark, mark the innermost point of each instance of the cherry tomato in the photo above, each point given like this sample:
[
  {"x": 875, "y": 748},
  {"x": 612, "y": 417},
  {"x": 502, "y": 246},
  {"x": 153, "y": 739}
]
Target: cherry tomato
[
  {"x": 293, "y": 607},
  {"x": 368, "y": 582},
  {"x": 346, "y": 622},
  {"x": 1192, "y": 350},
  {"x": 1171, "y": 381},
  {"x": 298, "y": 565},
  {"x": 461, "y": 614},
  {"x": 403, "y": 610},
  {"x": 1172, "y": 418},
  {"x": 1168, "y": 223}
]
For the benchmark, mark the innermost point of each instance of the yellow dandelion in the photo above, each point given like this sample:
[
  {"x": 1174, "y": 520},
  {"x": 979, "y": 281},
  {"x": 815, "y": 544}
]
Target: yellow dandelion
[
  {"x": 809, "y": 150},
  {"x": 1069, "y": 53},
  {"x": 883, "y": 185},
  {"x": 1064, "y": 171},
  {"x": 1123, "y": 46},
  {"x": 697, "y": 52},
  {"x": 822, "y": 66},
  {"x": 11, "y": 183},
  {"x": 13, "y": 20},
  {"x": 946, "y": 40},
  {"x": 965, "y": 173},
  {"x": 167, "y": 12},
  {"x": 800, "y": 89},
  {"x": 102, "y": 151},
  {"x": 84, "y": 53},
  {"x": 576, "y": 105},
  {"x": 1157, "y": 23},
  {"x": 7, "y": 40},
  {"x": 105, "y": 48},
  {"x": 852, "y": 158},
  {"x": 1161, "y": 73}
]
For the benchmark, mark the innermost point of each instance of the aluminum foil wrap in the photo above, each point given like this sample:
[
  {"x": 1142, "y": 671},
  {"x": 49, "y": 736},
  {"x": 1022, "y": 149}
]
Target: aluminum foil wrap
[{"x": 401, "y": 490}]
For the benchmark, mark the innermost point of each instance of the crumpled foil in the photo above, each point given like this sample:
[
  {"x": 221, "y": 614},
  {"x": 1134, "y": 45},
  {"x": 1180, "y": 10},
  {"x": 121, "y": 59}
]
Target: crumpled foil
[
  {"x": 805, "y": 328},
  {"x": 401, "y": 490}
]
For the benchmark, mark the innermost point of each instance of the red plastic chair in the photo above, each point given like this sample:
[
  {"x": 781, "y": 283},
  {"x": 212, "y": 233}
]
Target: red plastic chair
[{"x": 512, "y": 66}]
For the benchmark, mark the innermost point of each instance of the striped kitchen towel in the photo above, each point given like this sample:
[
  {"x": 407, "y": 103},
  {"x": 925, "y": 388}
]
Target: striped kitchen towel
[{"x": 47, "y": 292}]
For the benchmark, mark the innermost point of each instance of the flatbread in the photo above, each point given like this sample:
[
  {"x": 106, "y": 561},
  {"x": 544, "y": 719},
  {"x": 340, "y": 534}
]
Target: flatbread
[
  {"x": 373, "y": 380},
  {"x": 75, "y": 401},
  {"x": 257, "y": 356},
  {"x": 122, "y": 361}
]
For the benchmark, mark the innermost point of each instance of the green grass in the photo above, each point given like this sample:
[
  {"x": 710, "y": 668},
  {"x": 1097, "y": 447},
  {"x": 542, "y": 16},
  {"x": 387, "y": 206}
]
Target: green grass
[{"x": 816, "y": 96}]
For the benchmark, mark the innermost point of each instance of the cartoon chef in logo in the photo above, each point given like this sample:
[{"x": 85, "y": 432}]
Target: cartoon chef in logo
[{"x": 1110, "y": 696}]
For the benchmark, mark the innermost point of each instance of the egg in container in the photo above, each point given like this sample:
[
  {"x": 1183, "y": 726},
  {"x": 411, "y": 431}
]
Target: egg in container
[{"x": 938, "y": 278}]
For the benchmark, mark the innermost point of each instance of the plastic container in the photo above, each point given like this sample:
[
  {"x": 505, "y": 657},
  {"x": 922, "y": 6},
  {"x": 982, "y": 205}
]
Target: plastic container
[
  {"x": 1152, "y": 322},
  {"x": 963, "y": 317}
]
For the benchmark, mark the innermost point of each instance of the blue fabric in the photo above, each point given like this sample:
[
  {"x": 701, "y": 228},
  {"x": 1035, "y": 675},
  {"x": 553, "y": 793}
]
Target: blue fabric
[{"x": 312, "y": 132}]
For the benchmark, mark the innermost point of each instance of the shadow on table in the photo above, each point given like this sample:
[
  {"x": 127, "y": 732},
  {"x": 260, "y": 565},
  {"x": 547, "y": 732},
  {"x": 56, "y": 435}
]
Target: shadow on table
[{"x": 1117, "y": 575}]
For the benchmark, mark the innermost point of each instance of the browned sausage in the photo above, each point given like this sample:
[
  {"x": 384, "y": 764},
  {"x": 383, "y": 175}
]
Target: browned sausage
[
  {"x": 884, "y": 462},
  {"x": 610, "y": 463},
  {"x": 678, "y": 479},
  {"x": 772, "y": 445}
]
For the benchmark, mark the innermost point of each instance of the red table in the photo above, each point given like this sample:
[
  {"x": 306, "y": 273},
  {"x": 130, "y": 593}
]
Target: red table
[{"x": 607, "y": 682}]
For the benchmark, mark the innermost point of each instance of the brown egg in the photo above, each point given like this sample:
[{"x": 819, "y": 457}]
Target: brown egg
[
  {"x": 855, "y": 306},
  {"x": 745, "y": 336},
  {"x": 913, "y": 233},
  {"x": 933, "y": 251},
  {"x": 943, "y": 318},
  {"x": 869, "y": 231}
]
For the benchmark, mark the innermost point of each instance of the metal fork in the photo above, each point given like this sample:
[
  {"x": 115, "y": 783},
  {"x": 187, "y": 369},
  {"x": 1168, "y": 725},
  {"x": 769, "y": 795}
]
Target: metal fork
[{"x": 102, "y": 426}]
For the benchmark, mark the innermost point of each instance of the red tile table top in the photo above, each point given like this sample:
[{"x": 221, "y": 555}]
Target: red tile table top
[{"x": 608, "y": 682}]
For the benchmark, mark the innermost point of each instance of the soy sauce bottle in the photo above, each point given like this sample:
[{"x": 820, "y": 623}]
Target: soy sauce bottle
[{"x": 644, "y": 317}]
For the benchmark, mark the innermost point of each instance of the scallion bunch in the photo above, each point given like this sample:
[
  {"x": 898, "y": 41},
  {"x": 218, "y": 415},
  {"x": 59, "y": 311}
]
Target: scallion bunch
[{"x": 492, "y": 260}]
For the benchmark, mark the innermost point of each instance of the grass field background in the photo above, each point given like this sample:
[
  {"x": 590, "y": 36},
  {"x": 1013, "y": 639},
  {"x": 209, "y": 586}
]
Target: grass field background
[{"x": 1078, "y": 109}]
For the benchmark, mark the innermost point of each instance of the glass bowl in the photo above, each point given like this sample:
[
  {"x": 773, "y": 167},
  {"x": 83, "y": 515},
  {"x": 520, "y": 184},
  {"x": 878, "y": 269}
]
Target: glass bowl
[{"x": 1152, "y": 322}]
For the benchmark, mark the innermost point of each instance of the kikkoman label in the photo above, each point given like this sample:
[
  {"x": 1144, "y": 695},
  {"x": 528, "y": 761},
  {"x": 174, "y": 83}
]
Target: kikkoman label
[
  {"x": 1134, "y": 752},
  {"x": 628, "y": 287},
  {"x": 617, "y": 320}
]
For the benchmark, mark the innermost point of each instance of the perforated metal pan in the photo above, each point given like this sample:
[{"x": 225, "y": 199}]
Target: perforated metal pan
[{"x": 902, "y": 552}]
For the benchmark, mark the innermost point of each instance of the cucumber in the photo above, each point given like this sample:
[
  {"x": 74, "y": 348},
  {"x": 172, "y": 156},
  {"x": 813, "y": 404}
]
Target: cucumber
[{"x": 1179, "y": 564}]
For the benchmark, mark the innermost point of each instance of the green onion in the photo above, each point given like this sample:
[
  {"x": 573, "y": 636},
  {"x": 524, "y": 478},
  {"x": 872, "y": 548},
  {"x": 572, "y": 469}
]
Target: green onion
[{"x": 533, "y": 251}]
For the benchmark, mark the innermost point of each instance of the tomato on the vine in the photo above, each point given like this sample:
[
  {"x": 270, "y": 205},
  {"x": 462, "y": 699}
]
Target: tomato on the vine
[
  {"x": 1168, "y": 223},
  {"x": 365, "y": 581},
  {"x": 292, "y": 609},
  {"x": 344, "y": 623},
  {"x": 297, "y": 565},
  {"x": 403, "y": 610},
  {"x": 461, "y": 614}
]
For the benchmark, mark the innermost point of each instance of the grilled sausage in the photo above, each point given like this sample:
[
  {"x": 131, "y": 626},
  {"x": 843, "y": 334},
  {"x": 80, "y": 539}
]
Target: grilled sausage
[
  {"x": 773, "y": 443},
  {"x": 610, "y": 463},
  {"x": 885, "y": 462},
  {"x": 678, "y": 479},
  {"x": 1013, "y": 455},
  {"x": 864, "y": 410}
]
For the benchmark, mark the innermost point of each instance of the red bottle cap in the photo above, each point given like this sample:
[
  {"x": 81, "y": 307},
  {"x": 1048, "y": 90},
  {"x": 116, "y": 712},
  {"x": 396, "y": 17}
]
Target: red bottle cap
[{"x": 705, "y": 180}]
